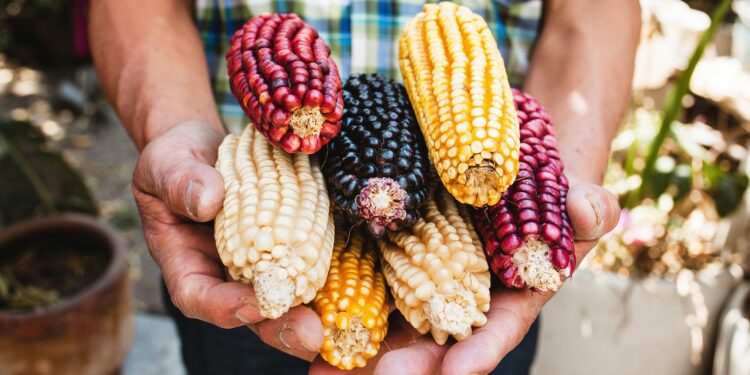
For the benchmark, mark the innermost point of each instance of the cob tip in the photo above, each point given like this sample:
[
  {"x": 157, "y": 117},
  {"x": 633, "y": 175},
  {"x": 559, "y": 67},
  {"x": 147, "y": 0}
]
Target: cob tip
[
  {"x": 532, "y": 261},
  {"x": 484, "y": 182},
  {"x": 306, "y": 121},
  {"x": 274, "y": 291},
  {"x": 350, "y": 337},
  {"x": 381, "y": 203},
  {"x": 453, "y": 314}
]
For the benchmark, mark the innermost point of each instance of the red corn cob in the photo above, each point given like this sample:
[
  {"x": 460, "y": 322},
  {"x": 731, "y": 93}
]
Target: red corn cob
[
  {"x": 527, "y": 235},
  {"x": 281, "y": 72}
]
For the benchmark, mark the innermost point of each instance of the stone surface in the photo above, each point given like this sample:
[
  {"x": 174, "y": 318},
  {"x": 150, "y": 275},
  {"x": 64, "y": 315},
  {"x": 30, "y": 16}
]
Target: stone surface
[{"x": 156, "y": 348}]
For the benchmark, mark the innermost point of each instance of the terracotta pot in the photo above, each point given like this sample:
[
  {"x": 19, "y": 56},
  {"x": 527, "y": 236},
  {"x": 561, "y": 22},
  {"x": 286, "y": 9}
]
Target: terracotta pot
[{"x": 87, "y": 333}]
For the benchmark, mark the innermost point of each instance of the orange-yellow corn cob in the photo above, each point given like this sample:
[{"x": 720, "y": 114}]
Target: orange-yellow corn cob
[
  {"x": 456, "y": 80},
  {"x": 437, "y": 271},
  {"x": 352, "y": 304}
]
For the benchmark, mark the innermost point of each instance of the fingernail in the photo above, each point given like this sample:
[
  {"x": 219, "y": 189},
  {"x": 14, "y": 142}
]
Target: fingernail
[
  {"x": 193, "y": 196},
  {"x": 289, "y": 338},
  {"x": 596, "y": 206},
  {"x": 247, "y": 314}
]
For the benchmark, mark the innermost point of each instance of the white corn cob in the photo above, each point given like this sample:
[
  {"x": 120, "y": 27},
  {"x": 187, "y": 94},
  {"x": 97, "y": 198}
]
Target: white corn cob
[
  {"x": 275, "y": 229},
  {"x": 437, "y": 271}
]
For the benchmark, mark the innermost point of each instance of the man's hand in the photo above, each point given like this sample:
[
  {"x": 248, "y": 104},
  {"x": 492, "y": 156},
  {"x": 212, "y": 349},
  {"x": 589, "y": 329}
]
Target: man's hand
[
  {"x": 151, "y": 64},
  {"x": 593, "y": 211},
  {"x": 178, "y": 192}
]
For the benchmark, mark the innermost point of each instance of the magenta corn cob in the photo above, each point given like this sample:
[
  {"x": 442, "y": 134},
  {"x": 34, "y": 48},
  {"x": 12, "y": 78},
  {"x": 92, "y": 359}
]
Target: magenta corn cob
[
  {"x": 281, "y": 72},
  {"x": 527, "y": 235}
]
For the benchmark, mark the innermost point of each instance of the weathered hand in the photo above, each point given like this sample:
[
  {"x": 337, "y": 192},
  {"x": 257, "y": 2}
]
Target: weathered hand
[
  {"x": 593, "y": 211},
  {"x": 178, "y": 191}
]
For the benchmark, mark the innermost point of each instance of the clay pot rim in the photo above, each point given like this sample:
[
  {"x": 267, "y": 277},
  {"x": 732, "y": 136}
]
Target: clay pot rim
[{"x": 114, "y": 269}]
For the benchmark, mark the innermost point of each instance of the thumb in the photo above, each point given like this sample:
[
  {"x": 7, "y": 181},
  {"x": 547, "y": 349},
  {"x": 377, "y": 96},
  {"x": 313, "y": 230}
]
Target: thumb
[
  {"x": 177, "y": 167},
  {"x": 593, "y": 210}
]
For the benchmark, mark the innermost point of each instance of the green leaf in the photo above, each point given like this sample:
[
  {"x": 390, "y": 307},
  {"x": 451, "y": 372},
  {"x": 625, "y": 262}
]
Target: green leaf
[
  {"x": 725, "y": 188},
  {"x": 662, "y": 176},
  {"x": 682, "y": 179},
  {"x": 673, "y": 104}
]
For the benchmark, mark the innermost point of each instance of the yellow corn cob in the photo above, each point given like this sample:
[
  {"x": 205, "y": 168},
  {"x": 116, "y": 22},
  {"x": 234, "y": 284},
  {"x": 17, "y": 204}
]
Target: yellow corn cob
[
  {"x": 456, "y": 80},
  {"x": 352, "y": 304},
  {"x": 437, "y": 271},
  {"x": 274, "y": 230}
]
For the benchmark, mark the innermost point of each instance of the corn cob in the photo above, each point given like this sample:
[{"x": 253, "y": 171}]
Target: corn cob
[
  {"x": 377, "y": 168},
  {"x": 456, "y": 79},
  {"x": 437, "y": 271},
  {"x": 527, "y": 235},
  {"x": 352, "y": 304},
  {"x": 274, "y": 230},
  {"x": 281, "y": 72}
]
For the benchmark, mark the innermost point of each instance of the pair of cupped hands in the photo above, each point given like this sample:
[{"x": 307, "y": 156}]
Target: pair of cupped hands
[{"x": 178, "y": 192}]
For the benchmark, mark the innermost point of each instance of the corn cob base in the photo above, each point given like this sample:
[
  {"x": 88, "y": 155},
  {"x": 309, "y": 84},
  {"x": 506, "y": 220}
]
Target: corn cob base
[
  {"x": 437, "y": 271},
  {"x": 352, "y": 304},
  {"x": 274, "y": 230}
]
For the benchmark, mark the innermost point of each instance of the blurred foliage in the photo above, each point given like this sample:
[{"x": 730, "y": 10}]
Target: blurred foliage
[
  {"x": 38, "y": 181},
  {"x": 696, "y": 181},
  {"x": 672, "y": 109},
  {"x": 676, "y": 177}
]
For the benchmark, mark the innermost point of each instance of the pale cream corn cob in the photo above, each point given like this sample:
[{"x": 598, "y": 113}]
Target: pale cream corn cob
[
  {"x": 352, "y": 304},
  {"x": 275, "y": 230},
  {"x": 437, "y": 271},
  {"x": 456, "y": 80}
]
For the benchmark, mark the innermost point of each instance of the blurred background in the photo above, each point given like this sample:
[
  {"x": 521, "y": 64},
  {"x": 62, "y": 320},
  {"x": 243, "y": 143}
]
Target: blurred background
[{"x": 665, "y": 293}]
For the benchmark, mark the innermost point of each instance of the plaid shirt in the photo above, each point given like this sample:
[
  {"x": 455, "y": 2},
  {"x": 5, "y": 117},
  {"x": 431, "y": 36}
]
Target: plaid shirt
[{"x": 363, "y": 34}]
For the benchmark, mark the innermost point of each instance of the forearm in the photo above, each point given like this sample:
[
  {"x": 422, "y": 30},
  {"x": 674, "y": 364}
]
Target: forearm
[
  {"x": 581, "y": 72},
  {"x": 151, "y": 65}
]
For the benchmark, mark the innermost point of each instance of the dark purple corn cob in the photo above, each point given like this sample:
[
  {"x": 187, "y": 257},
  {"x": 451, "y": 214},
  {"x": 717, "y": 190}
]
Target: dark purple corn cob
[
  {"x": 377, "y": 168},
  {"x": 527, "y": 235},
  {"x": 281, "y": 72}
]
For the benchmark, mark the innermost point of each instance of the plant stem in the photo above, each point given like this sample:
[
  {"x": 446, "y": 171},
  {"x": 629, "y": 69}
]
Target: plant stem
[
  {"x": 45, "y": 197},
  {"x": 673, "y": 104}
]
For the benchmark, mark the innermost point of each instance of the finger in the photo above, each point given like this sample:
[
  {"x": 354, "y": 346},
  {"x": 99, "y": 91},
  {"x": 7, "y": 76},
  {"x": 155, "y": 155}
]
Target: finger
[
  {"x": 593, "y": 210},
  {"x": 422, "y": 356},
  {"x": 178, "y": 168},
  {"x": 186, "y": 255},
  {"x": 197, "y": 288},
  {"x": 511, "y": 314},
  {"x": 404, "y": 351},
  {"x": 223, "y": 304},
  {"x": 298, "y": 333}
]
